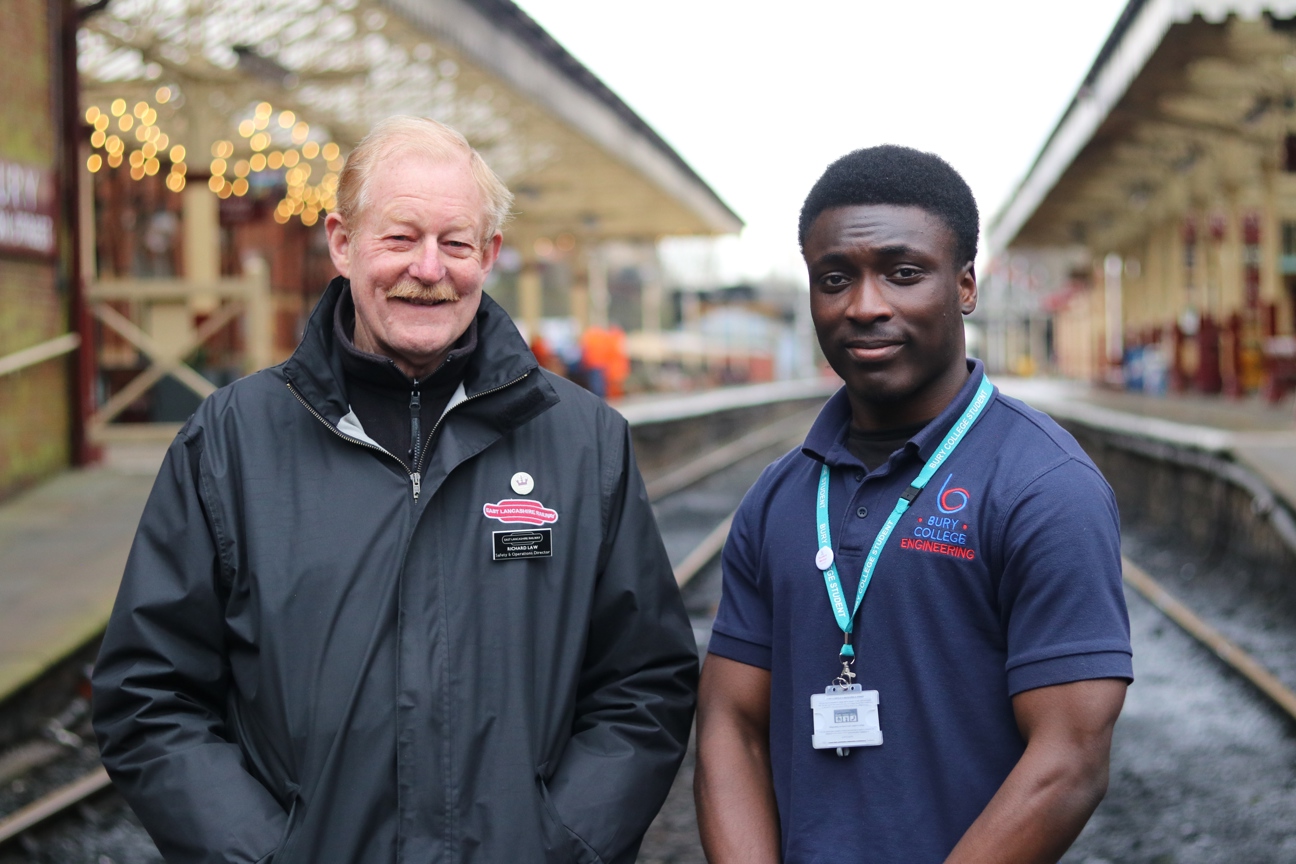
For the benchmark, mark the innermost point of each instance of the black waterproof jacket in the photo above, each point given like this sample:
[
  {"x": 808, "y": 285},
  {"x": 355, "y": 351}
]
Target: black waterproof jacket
[{"x": 309, "y": 663}]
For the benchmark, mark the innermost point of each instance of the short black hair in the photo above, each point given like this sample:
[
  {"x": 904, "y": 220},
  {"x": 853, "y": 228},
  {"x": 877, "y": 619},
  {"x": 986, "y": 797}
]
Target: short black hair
[{"x": 902, "y": 176}]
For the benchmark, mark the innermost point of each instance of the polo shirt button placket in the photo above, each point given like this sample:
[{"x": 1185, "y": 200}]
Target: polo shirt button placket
[{"x": 859, "y": 476}]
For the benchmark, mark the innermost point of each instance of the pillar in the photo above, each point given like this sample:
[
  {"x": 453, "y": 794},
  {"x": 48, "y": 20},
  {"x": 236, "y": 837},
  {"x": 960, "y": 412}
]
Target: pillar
[
  {"x": 580, "y": 301},
  {"x": 201, "y": 233},
  {"x": 259, "y": 316},
  {"x": 1231, "y": 260},
  {"x": 1113, "y": 323},
  {"x": 650, "y": 272},
  {"x": 200, "y": 206},
  {"x": 170, "y": 322},
  {"x": 529, "y": 298},
  {"x": 598, "y": 287}
]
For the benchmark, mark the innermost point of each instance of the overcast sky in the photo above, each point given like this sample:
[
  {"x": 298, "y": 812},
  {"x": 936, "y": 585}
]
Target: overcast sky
[{"x": 760, "y": 102}]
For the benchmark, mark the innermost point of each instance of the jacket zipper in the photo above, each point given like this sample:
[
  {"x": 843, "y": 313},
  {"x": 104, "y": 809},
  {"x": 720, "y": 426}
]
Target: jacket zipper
[
  {"x": 416, "y": 438},
  {"x": 416, "y": 475}
]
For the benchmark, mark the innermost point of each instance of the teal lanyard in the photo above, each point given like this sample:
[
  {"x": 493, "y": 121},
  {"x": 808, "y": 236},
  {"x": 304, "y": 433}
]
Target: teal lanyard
[{"x": 846, "y": 617}]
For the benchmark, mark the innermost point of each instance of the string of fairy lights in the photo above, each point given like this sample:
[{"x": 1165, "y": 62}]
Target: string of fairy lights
[
  {"x": 151, "y": 143},
  {"x": 279, "y": 143},
  {"x": 272, "y": 150}
]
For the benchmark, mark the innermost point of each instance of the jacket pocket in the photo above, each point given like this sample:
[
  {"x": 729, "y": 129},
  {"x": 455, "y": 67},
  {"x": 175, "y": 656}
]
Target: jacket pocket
[
  {"x": 561, "y": 845},
  {"x": 278, "y": 853}
]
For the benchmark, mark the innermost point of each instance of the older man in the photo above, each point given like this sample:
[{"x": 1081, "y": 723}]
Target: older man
[{"x": 401, "y": 598}]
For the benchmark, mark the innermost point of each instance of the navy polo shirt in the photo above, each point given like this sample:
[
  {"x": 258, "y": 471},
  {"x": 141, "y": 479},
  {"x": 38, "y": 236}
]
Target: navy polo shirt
[{"x": 1003, "y": 576}]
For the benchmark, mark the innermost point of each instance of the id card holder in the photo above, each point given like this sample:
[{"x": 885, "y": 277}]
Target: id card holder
[{"x": 845, "y": 717}]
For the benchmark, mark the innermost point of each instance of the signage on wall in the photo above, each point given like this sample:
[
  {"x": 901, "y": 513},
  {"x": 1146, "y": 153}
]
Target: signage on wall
[{"x": 27, "y": 207}]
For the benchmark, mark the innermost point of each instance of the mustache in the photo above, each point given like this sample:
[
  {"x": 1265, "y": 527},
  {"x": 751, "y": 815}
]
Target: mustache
[{"x": 411, "y": 289}]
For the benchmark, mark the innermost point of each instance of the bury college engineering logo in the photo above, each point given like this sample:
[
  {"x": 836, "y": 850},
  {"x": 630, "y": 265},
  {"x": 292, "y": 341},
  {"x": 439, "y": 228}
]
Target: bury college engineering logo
[
  {"x": 952, "y": 500},
  {"x": 945, "y": 534}
]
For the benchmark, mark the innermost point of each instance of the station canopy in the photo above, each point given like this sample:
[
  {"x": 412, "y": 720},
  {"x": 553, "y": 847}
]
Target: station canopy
[
  {"x": 1186, "y": 97},
  {"x": 243, "y": 95}
]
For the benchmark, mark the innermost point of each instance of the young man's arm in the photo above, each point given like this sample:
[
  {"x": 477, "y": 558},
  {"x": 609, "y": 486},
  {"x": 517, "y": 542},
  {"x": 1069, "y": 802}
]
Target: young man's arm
[
  {"x": 737, "y": 816},
  {"x": 1050, "y": 794}
]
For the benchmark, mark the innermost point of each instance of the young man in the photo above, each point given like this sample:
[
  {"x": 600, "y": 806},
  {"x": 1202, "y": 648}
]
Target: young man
[
  {"x": 975, "y": 686},
  {"x": 401, "y": 598}
]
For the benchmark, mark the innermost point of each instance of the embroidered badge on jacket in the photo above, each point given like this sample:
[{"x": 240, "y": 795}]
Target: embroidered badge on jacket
[{"x": 520, "y": 511}]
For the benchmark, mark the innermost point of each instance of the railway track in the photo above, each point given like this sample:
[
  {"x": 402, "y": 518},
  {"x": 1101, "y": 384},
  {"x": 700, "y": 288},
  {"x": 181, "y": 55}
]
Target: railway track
[
  {"x": 1226, "y": 650},
  {"x": 712, "y": 467},
  {"x": 53, "y": 803},
  {"x": 776, "y": 436}
]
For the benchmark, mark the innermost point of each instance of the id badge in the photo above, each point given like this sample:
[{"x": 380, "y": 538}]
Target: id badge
[{"x": 845, "y": 717}]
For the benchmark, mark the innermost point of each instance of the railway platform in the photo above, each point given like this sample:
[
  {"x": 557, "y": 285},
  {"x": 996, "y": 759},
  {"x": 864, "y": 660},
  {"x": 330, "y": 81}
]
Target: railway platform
[
  {"x": 1247, "y": 431},
  {"x": 63, "y": 544}
]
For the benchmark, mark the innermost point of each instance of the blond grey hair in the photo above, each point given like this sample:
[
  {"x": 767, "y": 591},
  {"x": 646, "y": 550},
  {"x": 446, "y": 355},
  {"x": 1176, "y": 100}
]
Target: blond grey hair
[{"x": 427, "y": 137}]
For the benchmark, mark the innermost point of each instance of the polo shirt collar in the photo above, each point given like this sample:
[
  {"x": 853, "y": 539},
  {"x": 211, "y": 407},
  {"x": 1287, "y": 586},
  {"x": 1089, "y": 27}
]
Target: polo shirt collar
[
  {"x": 826, "y": 441},
  {"x": 931, "y": 435}
]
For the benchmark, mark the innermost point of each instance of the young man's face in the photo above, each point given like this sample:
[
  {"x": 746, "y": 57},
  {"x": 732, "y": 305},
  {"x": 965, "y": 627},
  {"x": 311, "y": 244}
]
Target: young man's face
[{"x": 888, "y": 299}]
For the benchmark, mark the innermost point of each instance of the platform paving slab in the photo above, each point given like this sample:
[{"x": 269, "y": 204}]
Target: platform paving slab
[
  {"x": 1276, "y": 463},
  {"x": 63, "y": 545}
]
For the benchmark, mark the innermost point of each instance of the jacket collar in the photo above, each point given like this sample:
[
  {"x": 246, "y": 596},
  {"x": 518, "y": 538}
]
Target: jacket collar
[
  {"x": 826, "y": 441},
  {"x": 500, "y": 358}
]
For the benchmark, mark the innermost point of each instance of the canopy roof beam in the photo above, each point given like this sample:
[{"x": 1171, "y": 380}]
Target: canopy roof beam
[{"x": 582, "y": 161}]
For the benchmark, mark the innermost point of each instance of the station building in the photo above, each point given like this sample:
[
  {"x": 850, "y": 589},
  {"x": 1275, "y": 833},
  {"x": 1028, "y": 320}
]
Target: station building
[
  {"x": 204, "y": 147},
  {"x": 37, "y": 352},
  {"x": 1152, "y": 244}
]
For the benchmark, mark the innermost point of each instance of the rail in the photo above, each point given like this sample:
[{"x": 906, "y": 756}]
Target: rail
[
  {"x": 53, "y": 804},
  {"x": 780, "y": 432},
  {"x": 1231, "y": 654},
  {"x": 48, "y": 350}
]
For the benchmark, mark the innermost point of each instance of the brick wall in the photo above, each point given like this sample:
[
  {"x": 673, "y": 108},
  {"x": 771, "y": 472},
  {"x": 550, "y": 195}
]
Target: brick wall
[{"x": 34, "y": 410}]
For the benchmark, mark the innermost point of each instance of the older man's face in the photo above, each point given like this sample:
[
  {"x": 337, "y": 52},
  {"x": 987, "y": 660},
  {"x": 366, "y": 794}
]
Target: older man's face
[{"x": 416, "y": 259}]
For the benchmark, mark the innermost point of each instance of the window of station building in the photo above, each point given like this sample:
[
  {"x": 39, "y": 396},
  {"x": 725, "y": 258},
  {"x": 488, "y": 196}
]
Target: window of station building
[
  {"x": 1289, "y": 154},
  {"x": 1289, "y": 238},
  {"x": 1287, "y": 263}
]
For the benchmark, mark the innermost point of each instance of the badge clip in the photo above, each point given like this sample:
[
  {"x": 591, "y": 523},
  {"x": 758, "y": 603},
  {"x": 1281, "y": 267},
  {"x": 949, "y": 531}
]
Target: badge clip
[{"x": 847, "y": 656}]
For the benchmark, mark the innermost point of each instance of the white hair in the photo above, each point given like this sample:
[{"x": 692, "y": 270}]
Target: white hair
[{"x": 406, "y": 134}]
